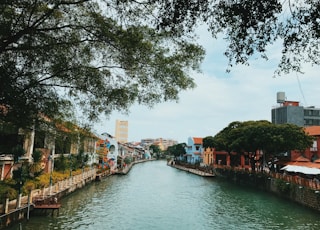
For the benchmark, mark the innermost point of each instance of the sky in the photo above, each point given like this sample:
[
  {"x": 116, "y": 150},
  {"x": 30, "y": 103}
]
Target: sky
[{"x": 246, "y": 93}]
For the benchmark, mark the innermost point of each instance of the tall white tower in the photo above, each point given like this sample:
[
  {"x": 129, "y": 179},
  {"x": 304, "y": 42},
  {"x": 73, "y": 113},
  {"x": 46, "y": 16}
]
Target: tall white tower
[{"x": 121, "y": 131}]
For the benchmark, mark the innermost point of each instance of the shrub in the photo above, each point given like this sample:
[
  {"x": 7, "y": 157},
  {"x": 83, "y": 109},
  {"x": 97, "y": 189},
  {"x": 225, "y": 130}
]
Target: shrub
[
  {"x": 128, "y": 160},
  {"x": 282, "y": 186},
  {"x": 29, "y": 185},
  {"x": 7, "y": 192}
]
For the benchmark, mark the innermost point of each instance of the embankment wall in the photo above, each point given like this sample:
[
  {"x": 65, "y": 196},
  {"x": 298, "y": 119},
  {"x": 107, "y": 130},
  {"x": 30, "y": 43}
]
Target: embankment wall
[{"x": 304, "y": 195}]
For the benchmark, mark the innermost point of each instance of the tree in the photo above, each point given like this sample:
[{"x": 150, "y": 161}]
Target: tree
[
  {"x": 251, "y": 136},
  {"x": 107, "y": 55},
  {"x": 250, "y": 26},
  {"x": 61, "y": 163},
  {"x": 81, "y": 160},
  {"x": 177, "y": 150},
  {"x": 35, "y": 167},
  {"x": 223, "y": 139},
  {"x": 155, "y": 149},
  {"x": 99, "y": 55},
  {"x": 208, "y": 142},
  {"x": 290, "y": 137}
]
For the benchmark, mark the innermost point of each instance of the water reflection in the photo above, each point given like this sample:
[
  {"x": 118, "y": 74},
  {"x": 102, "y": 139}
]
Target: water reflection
[{"x": 155, "y": 196}]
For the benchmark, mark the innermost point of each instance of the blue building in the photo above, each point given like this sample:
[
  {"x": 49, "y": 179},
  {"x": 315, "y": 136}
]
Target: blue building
[{"x": 194, "y": 150}]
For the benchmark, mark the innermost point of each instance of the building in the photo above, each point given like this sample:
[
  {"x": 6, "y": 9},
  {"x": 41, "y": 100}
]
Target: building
[
  {"x": 165, "y": 143},
  {"x": 147, "y": 141},
  {"x": 194, "y": 150},
  {"x": 313, "y": 153},
  {"x": 107, "y": 150},
  {"x": 208, "y": 157},
  {"x": 50, "y": 138},
  {"x": 121, "y": 131},
  {"x": 293, "y": 113},
  {"x": 307, "y": 160},
  {"x": 161, "y": 142}
]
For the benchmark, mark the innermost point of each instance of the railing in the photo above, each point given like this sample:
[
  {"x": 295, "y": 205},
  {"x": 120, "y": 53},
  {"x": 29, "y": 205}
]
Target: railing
[
  {"x": 50, "y": 191},
  {"x": 293, "y": 179},
  {"x": 301, "y": 181}
]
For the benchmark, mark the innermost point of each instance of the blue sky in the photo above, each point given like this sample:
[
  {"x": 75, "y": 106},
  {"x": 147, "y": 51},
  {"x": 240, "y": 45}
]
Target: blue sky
[{"x": 247, "y": 93}]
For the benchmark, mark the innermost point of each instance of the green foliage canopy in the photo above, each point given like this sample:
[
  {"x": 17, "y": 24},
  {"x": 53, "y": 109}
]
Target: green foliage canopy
[
  {"x": 155, "y": 149},
  {"x": 177, "y": 150},
  {"x": 101, "y": 56},
  {"x": 208, "y": 142},
  {"x": 251, "y": 26},
  {"x": 107, "y": 55},
  {"x": 250, "y": 136}
]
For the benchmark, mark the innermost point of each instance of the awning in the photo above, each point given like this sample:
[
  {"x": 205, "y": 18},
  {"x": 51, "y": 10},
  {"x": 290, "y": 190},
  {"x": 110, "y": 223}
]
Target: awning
[
  {"x": 301, "y": 169},
  {"x": 304, "y": 164}
]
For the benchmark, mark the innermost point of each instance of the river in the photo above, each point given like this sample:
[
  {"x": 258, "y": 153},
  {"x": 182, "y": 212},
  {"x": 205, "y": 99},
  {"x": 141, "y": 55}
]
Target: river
[{"x": 155, "y": 196}]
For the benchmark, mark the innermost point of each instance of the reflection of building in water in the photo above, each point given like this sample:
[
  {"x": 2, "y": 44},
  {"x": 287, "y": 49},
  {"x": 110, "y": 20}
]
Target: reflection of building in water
[{"x": 121, "y": 131}]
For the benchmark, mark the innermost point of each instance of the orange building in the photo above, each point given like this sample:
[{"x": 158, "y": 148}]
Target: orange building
[{"x": 313, "y": 153}]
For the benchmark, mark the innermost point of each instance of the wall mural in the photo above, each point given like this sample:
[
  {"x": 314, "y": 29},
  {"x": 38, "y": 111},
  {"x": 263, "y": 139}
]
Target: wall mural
[{"x": 107, "y": 152}]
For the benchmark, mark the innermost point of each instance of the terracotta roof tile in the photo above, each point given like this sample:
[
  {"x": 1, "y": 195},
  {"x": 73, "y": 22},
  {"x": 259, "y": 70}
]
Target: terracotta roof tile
[
  {"x": 301, "y": 159},
  {"x": 313, "y": 130},
  {"x": 197, "y": 140}
]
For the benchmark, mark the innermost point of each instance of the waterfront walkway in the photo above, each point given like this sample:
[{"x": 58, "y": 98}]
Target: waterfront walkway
[
  {"x": 16, "y": 210},
  {"x": 191, "y": 170},
  {"x": 125, "y": 170}
]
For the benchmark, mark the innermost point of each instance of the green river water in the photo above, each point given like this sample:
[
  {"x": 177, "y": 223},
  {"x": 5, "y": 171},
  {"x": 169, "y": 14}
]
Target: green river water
[{"x": 155, "y": 196}]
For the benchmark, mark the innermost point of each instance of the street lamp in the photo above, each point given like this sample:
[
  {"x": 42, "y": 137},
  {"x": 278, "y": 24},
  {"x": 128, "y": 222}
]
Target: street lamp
[
  {"x": 51, "y": 160},
  {"x": 70, "y": 163}
]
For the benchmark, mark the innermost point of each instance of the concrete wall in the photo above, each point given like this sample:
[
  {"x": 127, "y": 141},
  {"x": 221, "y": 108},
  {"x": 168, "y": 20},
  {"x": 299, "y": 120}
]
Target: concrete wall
[
  {"x": 303, "y": 195},
  {"x": 306, "y": 194}
]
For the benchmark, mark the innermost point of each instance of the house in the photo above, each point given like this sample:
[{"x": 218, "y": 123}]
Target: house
[
  {"x": 107, "y": 150},
  {"x": 12, "y": 140},
  {"x": 51, "y": 138},
  {"x": 208, "y": 156},
  {"x": 194, "y": 150},
  {"x": 313, "y": 153}
]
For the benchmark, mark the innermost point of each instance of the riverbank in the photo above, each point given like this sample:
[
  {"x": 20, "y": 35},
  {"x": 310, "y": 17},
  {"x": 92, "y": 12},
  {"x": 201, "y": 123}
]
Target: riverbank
[
  {"x": 21, "y": 208},
  {"x": 303, "y": 192},
  {"x": 126, "y": 170},
  {"x": 285, "y": 186},
  {"x": 191, "y": 170},
  {"x": 153, "y": 195}
]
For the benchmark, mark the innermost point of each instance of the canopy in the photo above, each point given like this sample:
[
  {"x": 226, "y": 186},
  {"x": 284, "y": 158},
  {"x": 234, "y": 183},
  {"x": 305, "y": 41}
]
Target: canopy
[
  {"x": 302, "y": 159},
  {"x": 301, "y": 169},
  {"x": 317, "y": 161}
]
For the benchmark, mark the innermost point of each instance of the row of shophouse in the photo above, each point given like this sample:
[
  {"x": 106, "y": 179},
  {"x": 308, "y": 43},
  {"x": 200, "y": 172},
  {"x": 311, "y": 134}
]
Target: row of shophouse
[
  {"x": 310, "y": 158},
  {"x": 54, "y": 139}
]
